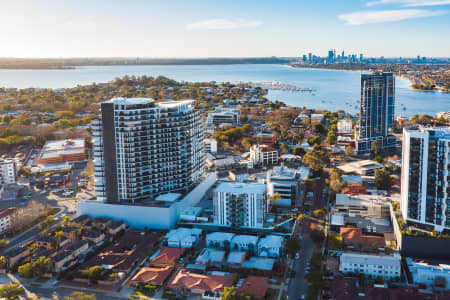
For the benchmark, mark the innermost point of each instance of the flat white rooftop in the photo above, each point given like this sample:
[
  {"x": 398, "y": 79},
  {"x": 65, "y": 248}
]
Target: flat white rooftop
[
  {"x": 63, "y": 145},
  {"x": 130, "y": 101},
  {"x": 241, "y": 188},
  {"x": 169, "y": 197}
]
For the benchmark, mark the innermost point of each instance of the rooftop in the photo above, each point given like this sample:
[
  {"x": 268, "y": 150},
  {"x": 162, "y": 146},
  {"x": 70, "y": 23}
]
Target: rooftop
[
  {"x": 220, "y": 236},
  {"x": 240, "y": 188},
  {"x": 271, "y": 241},
  {"x": 440, "y": 132},
  {"x": 130, "y": 101},
  {"x": 260, "y": 263},
  {"x": 356, "y": 166},
  {"x": 169, "y": 197},
  {"x": 185, "y": 280},
  {"x": 244, "y": 239},
  {"x": 167, "y": 255},
  {"x": 371, "y": 259},
  {"x": 63, "y": 145},
  {"x": 236, "y": 257},
  {"x": 210, "y": 255},
  {"x": 150, "y": 275},
  {"x": 255, "y": 286}
]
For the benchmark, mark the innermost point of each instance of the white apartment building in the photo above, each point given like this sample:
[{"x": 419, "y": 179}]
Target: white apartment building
[
  {"x": 229, "y": 116},
  {"x": 210, "y": 145},
  {"x": 385, "y": 266},
  {"x": 263, "y": 155},
  {"x": 425, "y": 180},
  {"x": 8, "y": 171},
  {"x": 6, "y": 219},
  {"x": 240, "y": 204},
  {"x": 434, "y": 276},
  {"x": 286, "y": 182},
  {"x": 143, "y": 149},
  {"x": 345, "y": 127}
]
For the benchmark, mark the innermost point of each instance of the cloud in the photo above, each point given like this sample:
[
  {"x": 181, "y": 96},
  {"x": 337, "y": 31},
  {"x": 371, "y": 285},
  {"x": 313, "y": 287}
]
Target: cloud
[
  {"x": 220, "y": 24},
  {"x": 382, "y": 16},
  {"x": 410, "y": 3}
]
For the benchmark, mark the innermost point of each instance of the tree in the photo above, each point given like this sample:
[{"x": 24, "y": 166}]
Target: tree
[
  {"x": 274, "y": 198},
  {"x": 331, "y": 138},
  {"x": 349, "y": 151},
  {"x": 382, "y": 179},
  {"x": 336, "y": 183},
  {"x": 2, "y": 262},
  {"x": 317, "y": 236},
  {"x": 95, "y": 273},
  {"x": 26, "y": 270},
  {"x": 284, "y": 148},
  {"x": 292, "y": 246},
  {"x": 42, "y": 266},
  {"x": 229, "y": 293},
  {"x": 10, "y": 291},
  {"x": 316, "y": 159},
  {"x": 299, "y": 151},
  {"x": 247, "y": 128},
  {"x": 378, "y": 159},
  {"x": 4, "y": 243},
  {"x": 246, "y": 143},
  {"x": 320, "y": 212},
  {"x": 78, "y": 296},
  {"x": 375, "y": 147}
]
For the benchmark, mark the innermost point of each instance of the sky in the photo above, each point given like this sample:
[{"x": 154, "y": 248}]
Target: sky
[{"x": 227, "y": 28}]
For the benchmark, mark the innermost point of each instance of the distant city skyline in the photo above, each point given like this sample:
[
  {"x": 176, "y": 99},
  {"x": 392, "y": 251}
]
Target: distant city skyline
[{"x": 180, "y": 29}]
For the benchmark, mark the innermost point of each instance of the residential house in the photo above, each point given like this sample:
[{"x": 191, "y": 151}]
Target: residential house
[
  {"x": 166, "y": 256},
  {"x": 244, "y": 242},
  {"x": 183, "y": 237},
  {"x": 235, "y": 259},
  {"x": 255, "y": 286},
  {"x": 152, "y": 275},
  {"x": 211, "y": 257},
  {"x": 219, "y": 239},
  {"x": 270, "y": 246}
]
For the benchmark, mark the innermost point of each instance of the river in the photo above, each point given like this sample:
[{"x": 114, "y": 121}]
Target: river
[{"x": 334, "y": 89}]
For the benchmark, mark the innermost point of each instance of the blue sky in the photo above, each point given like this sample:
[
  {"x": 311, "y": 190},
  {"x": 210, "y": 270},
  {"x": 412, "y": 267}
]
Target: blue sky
[{"x": 166, "y": 28}]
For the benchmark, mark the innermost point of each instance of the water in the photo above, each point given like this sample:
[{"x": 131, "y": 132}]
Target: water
[{"x": 334, "y": 89}]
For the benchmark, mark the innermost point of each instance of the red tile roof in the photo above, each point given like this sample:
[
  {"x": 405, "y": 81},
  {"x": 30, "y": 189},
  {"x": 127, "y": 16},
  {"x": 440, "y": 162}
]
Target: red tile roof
[
  {"x": 254, "y": 286},
  {"x": 355, "y": 236},
  {"x": 185, "y": 280},
  {"x": 154, "y": 276},
  {"x": 168, "y": 255}
]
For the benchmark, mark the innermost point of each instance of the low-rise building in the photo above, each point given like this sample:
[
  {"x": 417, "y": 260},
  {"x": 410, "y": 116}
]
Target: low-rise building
[
  {"x": 166, "y": 256},
  {"x": 244, "y": 242},
  {"x": 220, "y": 116},
  {"x": 286, "y": 183},
  {"x": 255, "y": 286},
  {"x": 235, "y": 259},
  {"x": 63, "y": 151},
  {"x": 183, "y": 237},
  {"x": 361, "y": 167},
  {"x": 263, "y": 155},
  {"x": 434, "y": 276},
  {"x": 152, "y": 275},
  {"x": 184, "y": 280},
  {"x": 386, "y": 266},
  {"x": 211, "y": 257},
  {"x": 219, "y": 239},
  {"x": 270, "y": 246},
  {"x": 264, "y": 138},
  {"x": 116, "y": 227}
]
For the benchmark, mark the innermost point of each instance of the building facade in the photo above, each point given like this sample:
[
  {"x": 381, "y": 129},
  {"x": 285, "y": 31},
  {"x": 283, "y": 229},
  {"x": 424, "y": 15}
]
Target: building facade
[
  {"x": 220, "y": 116},
  {"x": 425, "y": 181},
  {"x": 262, "y": 155},
  {"x": 60, "y": 151},
  {"x": 286, "y": 183},
  {"x": 143, "y": 149},
  {"x": 376, "y": 111},
  {"x": 385, "y": 266},
  {"x": 8, "y": 171},
  {"x": 240, "y": 204}
]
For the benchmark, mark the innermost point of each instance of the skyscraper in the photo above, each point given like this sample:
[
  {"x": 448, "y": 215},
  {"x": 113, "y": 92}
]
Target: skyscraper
[
  {"x": 330, "y": 56},
  {"x": 376, "y": 111},
  {"x": 143, "y": 149},
  {"x": 425, "y": 186}
]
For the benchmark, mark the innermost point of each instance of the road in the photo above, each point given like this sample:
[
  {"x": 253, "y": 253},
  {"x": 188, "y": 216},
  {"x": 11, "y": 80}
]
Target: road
[{"x": 298, "y": 285}]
